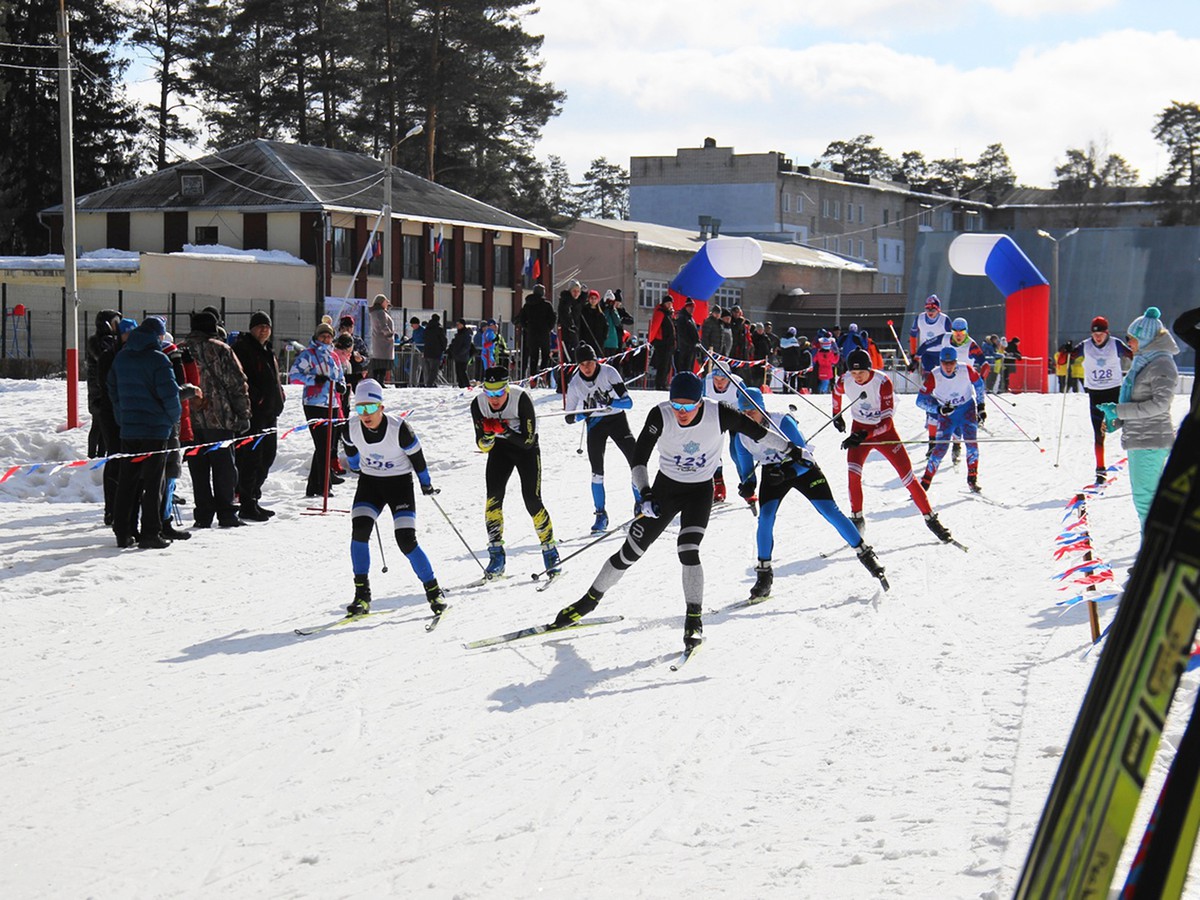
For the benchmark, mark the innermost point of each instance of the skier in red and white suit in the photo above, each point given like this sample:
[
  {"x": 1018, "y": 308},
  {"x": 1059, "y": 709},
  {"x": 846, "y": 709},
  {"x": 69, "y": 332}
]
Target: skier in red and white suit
[{"x": 869, "y": 398}]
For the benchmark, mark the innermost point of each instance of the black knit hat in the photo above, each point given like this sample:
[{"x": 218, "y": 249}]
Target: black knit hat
[
  {"x": 259, "y": 318},
  {"x": 859, "y": 361},
  {"x": 585, "y": 353}
]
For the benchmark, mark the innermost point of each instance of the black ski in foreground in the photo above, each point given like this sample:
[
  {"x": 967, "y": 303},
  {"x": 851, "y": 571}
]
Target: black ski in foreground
[
  {"x": 344, "y": 620},
  {"x": 742, "y": 604},
  {"x": 1091, "y": 805},
  {"x": 535, "y": 630}
]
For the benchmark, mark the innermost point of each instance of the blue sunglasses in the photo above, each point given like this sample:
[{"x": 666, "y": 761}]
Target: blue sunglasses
[
  {"x": 498, "y": 392},
  {"x": 367, "y": 409},
  {"x": 683, "y": 407}
]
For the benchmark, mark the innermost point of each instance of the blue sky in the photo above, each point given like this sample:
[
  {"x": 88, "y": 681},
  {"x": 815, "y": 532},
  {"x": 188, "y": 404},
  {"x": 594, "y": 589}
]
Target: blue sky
[{"x": 645, "y": 77}]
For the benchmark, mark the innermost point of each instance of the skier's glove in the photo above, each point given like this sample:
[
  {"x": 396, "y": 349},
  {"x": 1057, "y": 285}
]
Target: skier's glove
[
  {"x": 839, "y": 423},
  {"x": 340, "y": 387},
  {"x": 775, "y": 475},
  {"x": 912, "y": 364},
  {"x": 800, "y": 455},
  {"x": 1109, "y": 410},
  {"x": 947, "y": 409},
  {"x": 493, "y": 426},
  {"x": 647, "y": 506},
  {"x": 981, "y": 413},
  {"x": 428, "y": 489},
  {"x": 319, "y": 379},
  {"x": 486, "y": 442},
  {"x": 747, "y": 487},
  {"x": 853, "y": 439}
]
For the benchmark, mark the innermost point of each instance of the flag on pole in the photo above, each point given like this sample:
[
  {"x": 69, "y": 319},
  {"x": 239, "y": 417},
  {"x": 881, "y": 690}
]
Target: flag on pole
[{"x": 437, "y": 244}]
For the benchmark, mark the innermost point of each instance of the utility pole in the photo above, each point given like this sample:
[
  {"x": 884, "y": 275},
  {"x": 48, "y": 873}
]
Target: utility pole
[
  {"x": 66, "y": 139},
  {"x": 387, "y": 210}
]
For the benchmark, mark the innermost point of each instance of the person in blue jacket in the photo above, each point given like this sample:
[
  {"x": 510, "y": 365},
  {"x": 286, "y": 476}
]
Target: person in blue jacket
[
  {"x": 145, "y": 402},
  {"x": 780, "y": 475},
  {"x": 954, "y": 394},
  {"x": 320, "y": 371}
]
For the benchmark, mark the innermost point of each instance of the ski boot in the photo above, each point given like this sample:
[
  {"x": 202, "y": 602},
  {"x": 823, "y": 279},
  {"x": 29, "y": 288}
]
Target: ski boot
[
  {"x": 765, "y": 578},
  {"x": 569, "y": 615},
  {"x": 973, "y": 485},
  {"x": 496, "y": 559},
  {"x": 435, "y": 596},
  {"x": 940, "y": 531},
  {"x": 926, "y": 480},
  {"x": 693, "y": 627},
  {"x": 866, "y": 556},
  {"x": 361, "y": 604},
  {"x": 718, "y": 488},
  {"x": 1101, "y": 475},
  {"x": 550, "y": 559},
  {"x": 859, "y": 522},
  {"x": 601, "y": 524},
  {"x": 955, "y": 452},
  {"x": 929, "y": 449}
]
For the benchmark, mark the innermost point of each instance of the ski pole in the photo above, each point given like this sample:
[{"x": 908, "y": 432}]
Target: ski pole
[
  {"x": 849, "y": 403},
  {"x": 1062, "y": 416},
  {"x": 1041, "y": 449},
  {"x": 537, "y": 575},
  {"x": 457, "y": 532},
  {"x": 582, "y": 434},
  {"x": 382, "y": 558},
  {"x": 899, "y": 346},
  {"x": 767, "y": 421}
]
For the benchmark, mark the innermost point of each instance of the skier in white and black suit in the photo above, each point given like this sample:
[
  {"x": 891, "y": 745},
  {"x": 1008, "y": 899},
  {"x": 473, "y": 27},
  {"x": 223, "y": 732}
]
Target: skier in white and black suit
[
  {"x": 688, "y": 431},
  {"x": 598, "y": 386},
  {"x": 383, "y": 449},
  {"x": 506, "y": 430}
]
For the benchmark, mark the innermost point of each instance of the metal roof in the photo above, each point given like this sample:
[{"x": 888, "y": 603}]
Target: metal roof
[{"x": 274, "y": 176}]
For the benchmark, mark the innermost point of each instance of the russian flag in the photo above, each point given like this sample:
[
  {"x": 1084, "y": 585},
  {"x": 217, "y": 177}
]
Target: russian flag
[
  {"x": 704, "y": 273},
  {"x": 438, "y": 243}
]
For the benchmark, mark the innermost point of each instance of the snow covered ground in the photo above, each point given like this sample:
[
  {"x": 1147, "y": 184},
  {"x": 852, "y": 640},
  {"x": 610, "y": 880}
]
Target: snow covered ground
[{"x": 165, "y": 733}]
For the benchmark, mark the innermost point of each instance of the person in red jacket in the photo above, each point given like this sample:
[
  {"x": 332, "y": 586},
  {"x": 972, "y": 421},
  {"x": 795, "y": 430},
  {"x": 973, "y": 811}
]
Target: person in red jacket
[
  {"x": 869, "y": 397},
  {"x": 826, "y": 360}
]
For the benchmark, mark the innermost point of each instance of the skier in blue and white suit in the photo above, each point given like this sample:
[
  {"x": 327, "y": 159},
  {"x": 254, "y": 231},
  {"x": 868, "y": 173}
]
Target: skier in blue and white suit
[
  {"x": 954, "y": 394},
  {"x": 385, "y": 452},
  {"x": 688, "y": 432},
  {"x": 722, "y": 386},
  {"x": 598, "y": 390},
  {"x": 780, "y": 474}
]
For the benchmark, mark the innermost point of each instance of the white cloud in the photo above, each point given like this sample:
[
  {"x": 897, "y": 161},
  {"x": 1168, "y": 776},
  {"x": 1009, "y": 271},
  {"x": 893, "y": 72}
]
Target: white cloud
[{"x": 758, "y": 98}]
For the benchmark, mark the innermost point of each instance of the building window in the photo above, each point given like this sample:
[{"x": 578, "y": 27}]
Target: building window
[
  {"x": 444, "y": 263},
  {"x": 884, "y": 251},
  {"x": 860, "y": 214},
  {"x": 885, "y": 284},
  {"x": 472, "y": 263},
  {"x": 343, "y": 251},
  {"x": 837, "y": 245},
  {"x": 501, "y": 266},
  {"x": 651, "y": 293},
  {"x": 861, "y": 248},
  {"x": 787, "y": 202},
  {"x": 375, "y": 264},
  {"x": 885, "y": 216},
  {"x": 413, "y": 257},
  {"x": 837, "y": 209},
  {"x": 899, "y": 290},
  {"x": 824, "y": 209},
  {"x": 726, "y": 298},
  {"x": 206, "y": 235},
  {"x": 925, "y": 218},
  {"x": 799, "y": 203}
]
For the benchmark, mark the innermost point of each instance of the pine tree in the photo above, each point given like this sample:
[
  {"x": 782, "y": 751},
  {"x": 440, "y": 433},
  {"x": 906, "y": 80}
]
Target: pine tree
[
  {"x": 604, "y": 193},
  {"x": 105, "y": 123},
  {"x": 165, "y": 30},
  {"x": 991, "y": 176},
  {"x": 1178, "y": 129}
]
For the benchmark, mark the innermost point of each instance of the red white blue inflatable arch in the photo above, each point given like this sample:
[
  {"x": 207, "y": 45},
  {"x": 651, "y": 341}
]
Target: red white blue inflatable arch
[{"x": 1027, "y": 298}]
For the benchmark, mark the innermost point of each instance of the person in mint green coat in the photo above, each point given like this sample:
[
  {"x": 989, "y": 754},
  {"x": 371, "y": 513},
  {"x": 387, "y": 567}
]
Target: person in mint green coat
[{"x": 1143, "y": 410}]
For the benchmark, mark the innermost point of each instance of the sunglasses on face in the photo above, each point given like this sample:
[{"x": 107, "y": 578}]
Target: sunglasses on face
[
  {"x": 683, "y": 407},
  {"x": 498, "y": 392},
  {"x": 367, "y": 409}
]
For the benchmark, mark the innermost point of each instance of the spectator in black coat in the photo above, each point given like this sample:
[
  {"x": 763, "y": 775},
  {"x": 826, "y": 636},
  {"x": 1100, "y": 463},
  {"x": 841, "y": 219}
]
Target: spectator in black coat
[
  {"x": 103, "y": 338},
  {"x": 460, "y": 351},
  {"x": 536, "y": 318},
  {"x": 433, "y": 349},
  {"x": 687, "y": 336},
  {"x": 254, "y": 458},
  {"x": 593, "y": 323},
  {"x": 662, "y": 343},
  {"x": 570, "y": 302},
  {"x": 740, "y": 329}
]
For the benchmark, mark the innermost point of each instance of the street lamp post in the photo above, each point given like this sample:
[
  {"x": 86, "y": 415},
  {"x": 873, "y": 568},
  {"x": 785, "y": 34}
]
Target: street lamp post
[
  {"x": 1054, "y": 295},
  {"x": 387, "y": 208}
]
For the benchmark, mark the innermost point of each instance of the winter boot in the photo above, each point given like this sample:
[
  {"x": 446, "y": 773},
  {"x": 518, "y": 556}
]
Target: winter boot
[
  {"x": 866, "y": 556},
  {"x": 569, "y": 615},
  {"x": 693, "y": 627},
  {"x": 171, "y": 533},
  {"x": 153, "y": 542},
  {"x": 361, "y": 605},
  {"x": 601, "y": 523},
  {"x": 762, "y": 585},
  {"x": 973, "y": 484},
  {"x": 859, "y": 521},
  {"x": 495, "y": 566},
  {"x": 437, "y": 599},
  {"x": 550, "y": 559},
  {"x": 718, "y": 488},
  {"x": 940, "y": 531}
]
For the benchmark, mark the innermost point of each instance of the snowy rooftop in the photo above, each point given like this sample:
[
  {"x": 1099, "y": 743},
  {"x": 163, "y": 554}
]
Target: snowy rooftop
[{"x": 110, "y": 260}]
